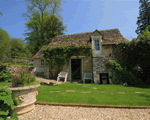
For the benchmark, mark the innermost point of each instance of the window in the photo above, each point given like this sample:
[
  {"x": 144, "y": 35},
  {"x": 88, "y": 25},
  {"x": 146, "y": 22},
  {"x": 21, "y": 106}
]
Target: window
[
  {"x": 97, "y": 45},
  {"x": 42, "y": 63}
]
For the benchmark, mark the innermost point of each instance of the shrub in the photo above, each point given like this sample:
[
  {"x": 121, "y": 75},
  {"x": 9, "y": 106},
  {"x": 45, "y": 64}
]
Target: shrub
[
  {"x": 22, "y": 79},
  {"x": 7, "y": 104},
  {"x": 120, "y": 75},
  {"x": 5, "y": 76}
]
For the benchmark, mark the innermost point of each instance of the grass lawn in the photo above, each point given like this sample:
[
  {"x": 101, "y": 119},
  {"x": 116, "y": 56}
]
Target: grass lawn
[
  {"x": 16, "y": 64},
  {"x": 58, "y": 94},
  {"x": 100, "y": 95}
]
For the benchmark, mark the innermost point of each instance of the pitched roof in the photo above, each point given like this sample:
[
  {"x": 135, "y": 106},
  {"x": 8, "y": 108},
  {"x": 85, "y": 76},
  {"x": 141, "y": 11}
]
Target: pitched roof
[{"x": 111, "y": 36}]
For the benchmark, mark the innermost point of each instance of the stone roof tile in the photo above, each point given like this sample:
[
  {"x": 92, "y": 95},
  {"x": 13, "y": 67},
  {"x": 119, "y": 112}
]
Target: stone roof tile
[{"x": 111, "y": 36}]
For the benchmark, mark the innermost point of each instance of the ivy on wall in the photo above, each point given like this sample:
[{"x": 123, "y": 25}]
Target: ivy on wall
[
  {"x": 120, "y": 75},
  {"x": 59, "y": 56},
  {"x": 138, "y": 54}
]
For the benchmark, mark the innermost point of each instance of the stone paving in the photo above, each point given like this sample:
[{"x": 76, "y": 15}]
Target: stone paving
[
  {"x": 86, "y": 91},
  {"x": 49, "y": 81},
  {"x": 94, "y": 88},
  {"x": 139, "y": 92},
  {"x": 70, "y": 90},
  {"x": 54, "y": 91},
  {"x": 122, "y": 92},
  {"x": 103, "y": 91}
]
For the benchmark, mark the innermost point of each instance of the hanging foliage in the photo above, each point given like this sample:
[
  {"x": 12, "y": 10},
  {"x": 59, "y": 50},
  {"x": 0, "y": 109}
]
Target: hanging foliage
[
  {"x": 138, "y": 55},
  {"x": 59, "y": 56}
]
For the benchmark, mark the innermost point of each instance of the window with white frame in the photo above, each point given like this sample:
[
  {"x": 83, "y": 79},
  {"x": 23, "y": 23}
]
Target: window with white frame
[
  {"x": 42, "y": 63},
  {"x": 97, "y": 45}
]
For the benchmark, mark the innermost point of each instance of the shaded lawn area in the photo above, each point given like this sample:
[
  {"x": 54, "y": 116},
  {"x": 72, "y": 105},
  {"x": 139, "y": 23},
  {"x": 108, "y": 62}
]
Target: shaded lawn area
[{"x": 47, "y": 93}]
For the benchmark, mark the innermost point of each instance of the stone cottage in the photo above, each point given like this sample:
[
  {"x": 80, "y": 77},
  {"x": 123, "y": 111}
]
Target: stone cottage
[{"x": 102, "y": 42}]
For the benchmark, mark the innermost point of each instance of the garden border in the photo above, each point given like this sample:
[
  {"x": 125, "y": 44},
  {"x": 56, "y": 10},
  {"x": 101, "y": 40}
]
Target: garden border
[{"x": 94, "y": 106}]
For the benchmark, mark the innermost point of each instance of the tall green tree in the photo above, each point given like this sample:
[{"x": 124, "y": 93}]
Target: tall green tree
[
  {"x": 4, "y": 44},
  {"x": 145, "y": 35},
  {"x": 52, "y": 26},
  {"x": 144, "y": 16},
  {"x": 19, "y": 48},
  {"x": 42, "y": 15}
]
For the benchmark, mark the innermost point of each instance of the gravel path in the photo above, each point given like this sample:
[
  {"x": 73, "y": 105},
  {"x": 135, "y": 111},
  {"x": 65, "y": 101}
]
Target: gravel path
[{"x": 46, "y": 112}]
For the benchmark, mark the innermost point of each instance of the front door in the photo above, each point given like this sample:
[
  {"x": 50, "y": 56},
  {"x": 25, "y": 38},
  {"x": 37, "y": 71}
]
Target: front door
[
  {"x": 104, "y": 79},
  {"x": 76, "y": 69}
]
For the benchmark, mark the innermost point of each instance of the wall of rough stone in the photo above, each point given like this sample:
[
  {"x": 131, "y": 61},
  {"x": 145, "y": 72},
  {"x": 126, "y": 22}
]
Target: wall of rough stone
[
  {"x": 100, "y": 61},
  {"x": 46, "y": 72},
  {"x": 107, "y": 50},
  {"x": 37, "y": 64},
  {"x": 97, "y": 67},
  {"x": 86, "y": 66},
  {"x": 15, "y": 69}
]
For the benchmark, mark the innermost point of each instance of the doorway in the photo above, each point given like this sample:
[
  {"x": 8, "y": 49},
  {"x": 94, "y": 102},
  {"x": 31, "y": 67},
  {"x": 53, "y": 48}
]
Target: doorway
[
  {"x": 76, "y": 69},
  {"x": 104, "y": 78}
]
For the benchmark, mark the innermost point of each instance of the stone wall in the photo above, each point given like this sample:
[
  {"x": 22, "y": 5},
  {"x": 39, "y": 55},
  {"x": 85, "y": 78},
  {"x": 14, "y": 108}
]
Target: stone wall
[
  {"x": 98, "y": 67},
  {"x": 37, "y": 64},
  {"x": 15, "y": 69},
  {"x": 100, "y": 61},
  {"x": 107, "y": 50},
  {"x": 86, "y": 66}
]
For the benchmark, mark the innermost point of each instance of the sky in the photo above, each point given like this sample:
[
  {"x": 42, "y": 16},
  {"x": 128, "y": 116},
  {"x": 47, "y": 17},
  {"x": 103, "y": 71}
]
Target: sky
[{"x": 78, "y": 16}]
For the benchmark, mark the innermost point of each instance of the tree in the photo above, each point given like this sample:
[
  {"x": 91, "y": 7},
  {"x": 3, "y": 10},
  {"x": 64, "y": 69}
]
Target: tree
[
  {"x": 4, "y": 44},
  {"x": 19, "y": 48},
  {"x": 145, "y": 35},
  {"x": 144, "y": 16},
  {"x": 42, "y": 14},
  {"x": 138, "y": 55},
  {"x": 52, "y": 26}
]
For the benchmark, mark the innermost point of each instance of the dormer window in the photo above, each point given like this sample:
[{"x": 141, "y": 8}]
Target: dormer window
[
  {"x": 96, "y": 42},
  {"x": 97, "y": 45}
]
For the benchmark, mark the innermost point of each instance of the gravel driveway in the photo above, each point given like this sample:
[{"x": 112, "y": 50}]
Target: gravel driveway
[{"x": 46, "y": 112}]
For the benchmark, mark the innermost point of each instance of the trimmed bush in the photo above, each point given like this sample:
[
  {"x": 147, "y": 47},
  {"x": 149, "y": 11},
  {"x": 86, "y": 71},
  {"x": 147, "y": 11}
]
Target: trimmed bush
[{"x": 22, "y": 79}]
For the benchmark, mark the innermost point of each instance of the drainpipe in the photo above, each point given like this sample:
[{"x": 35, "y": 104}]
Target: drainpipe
[{"x": 92, "y": 67}]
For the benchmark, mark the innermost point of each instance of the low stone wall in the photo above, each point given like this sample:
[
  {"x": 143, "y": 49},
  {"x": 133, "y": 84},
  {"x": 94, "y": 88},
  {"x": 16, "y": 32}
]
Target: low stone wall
[{"x": 14, "y": 69}]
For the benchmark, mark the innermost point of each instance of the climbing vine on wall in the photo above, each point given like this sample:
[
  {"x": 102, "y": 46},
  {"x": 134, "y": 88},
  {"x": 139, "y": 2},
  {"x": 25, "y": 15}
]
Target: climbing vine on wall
[
  {"x": 59, "y": 56},
  {"x": 121, "y": 75}
]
